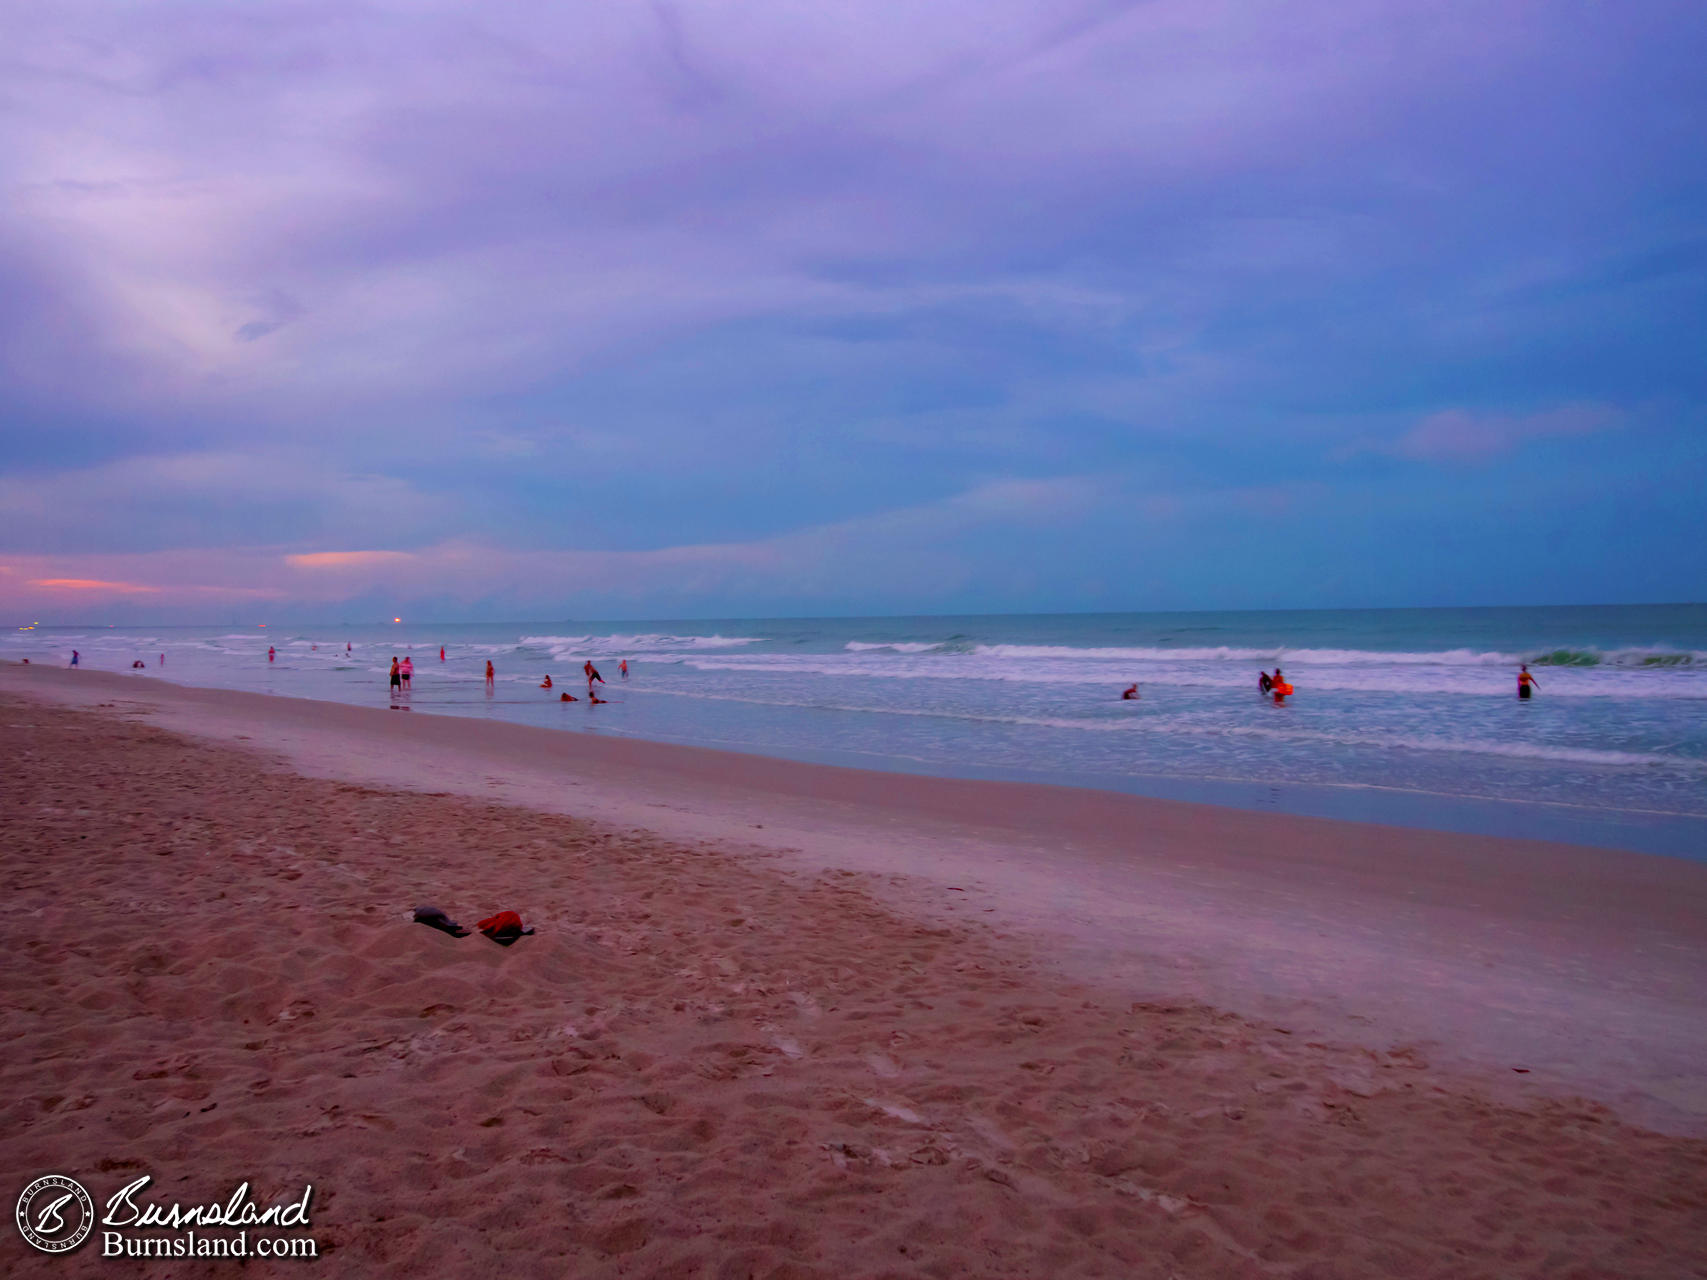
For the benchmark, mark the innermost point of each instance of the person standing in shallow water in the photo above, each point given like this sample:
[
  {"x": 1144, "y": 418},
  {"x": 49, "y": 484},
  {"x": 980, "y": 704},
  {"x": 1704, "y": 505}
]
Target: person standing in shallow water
[
  {"x": 490, "y": 675},
  {"x": 1525, "y": 682},
  {"x": 396, "y": 675}
]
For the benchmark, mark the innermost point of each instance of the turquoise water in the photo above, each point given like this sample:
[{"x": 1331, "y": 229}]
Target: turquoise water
[{"x": 1397, "y": 712}]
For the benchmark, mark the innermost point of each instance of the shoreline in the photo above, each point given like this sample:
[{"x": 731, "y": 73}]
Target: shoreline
[
  {"x": 1649, "y": 831},
  {"x": 1585, "y": 969}
]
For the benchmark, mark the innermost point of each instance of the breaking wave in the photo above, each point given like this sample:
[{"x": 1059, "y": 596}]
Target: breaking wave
[{"x": 652, "y": 642}]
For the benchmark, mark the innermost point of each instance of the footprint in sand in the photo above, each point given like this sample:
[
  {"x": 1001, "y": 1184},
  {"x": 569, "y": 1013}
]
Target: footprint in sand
[{"x": 883, "y": 1065}]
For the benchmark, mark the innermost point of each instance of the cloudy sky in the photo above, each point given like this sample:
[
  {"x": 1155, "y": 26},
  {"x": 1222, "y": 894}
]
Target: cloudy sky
[{"x": 672, "y": 309}]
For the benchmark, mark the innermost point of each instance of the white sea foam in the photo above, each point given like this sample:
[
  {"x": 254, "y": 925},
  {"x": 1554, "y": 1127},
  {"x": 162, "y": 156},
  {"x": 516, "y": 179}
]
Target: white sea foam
[
  {"x": 1155, "y": 725},
  {"x": 1563, "y": 656},
  {"x": 1083, "y": 670},
  {"x": 612, "y": 644}
]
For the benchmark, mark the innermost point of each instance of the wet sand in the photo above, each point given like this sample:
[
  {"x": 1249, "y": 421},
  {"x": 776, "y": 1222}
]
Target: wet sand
[{"x": 790, "y": 1020}]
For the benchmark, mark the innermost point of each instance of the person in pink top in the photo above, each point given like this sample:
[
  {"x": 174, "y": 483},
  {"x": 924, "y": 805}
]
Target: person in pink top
[{"x": 408, "y": 670}]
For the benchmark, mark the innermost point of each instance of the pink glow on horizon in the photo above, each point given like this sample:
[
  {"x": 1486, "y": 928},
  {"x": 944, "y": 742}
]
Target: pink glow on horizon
[{"x": 91, "y": 584}]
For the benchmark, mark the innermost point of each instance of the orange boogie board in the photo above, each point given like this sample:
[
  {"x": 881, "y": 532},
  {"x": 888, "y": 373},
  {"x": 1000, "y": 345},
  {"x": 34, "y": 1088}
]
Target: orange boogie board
[{"x": 1282, "y": 691}]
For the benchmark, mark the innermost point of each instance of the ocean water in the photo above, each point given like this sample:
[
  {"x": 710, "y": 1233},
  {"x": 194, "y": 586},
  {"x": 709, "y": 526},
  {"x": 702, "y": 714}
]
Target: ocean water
[{"x": 1400, "y": 715}]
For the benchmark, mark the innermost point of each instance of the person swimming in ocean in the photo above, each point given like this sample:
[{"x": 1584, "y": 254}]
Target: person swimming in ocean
[
  {"x": 545, "y": 683},
  {"x": 1525, "y": 682},
  {"x": 1130, "y": 693}
]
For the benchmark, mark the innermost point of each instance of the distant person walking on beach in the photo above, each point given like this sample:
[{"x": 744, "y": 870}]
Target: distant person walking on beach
[
  {"x": 162, "y": 659},
  {"x": 623, "y": 667},
  {"x": 489, "y": 675},
  {"x": 407, "y": 670},
  {"x": 592, "y": 674},
  {"x": 1130, "y": 693},
  {"x": 1525, "y": 682},
  {"x": 74, "y": 657},
  {"x": 346, "y": 646},
  {"x": 396, "y": 674}
]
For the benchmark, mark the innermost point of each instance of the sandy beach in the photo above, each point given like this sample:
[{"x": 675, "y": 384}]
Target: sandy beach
[{"x": 789, "y": 1020}]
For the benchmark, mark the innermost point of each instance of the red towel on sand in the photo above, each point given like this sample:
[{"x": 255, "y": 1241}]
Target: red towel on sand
[{"x": 503, "y": 928}]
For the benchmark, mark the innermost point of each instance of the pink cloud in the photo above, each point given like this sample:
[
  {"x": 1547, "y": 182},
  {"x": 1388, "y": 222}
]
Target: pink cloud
[
  {"x": 1457, "y": 435},
  {"x": 348, "y": 559},
  {"x": 92, "y": 584}
]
